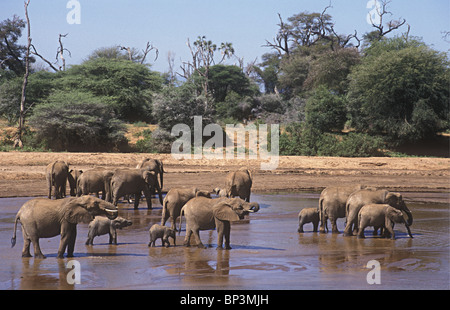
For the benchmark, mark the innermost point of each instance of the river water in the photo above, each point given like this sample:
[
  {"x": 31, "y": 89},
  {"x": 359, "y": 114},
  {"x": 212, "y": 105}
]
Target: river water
[{"x": 268, "y": 253}]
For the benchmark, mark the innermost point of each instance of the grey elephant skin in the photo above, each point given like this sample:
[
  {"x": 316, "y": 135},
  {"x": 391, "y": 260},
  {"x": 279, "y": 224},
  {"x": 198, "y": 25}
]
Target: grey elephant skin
[
  {"x": 175, "y": 199},
  {"x": 155, "y": 165},
  {"x": 204, "y": 214},
  {"x": 161, "y": 232},
  {"x": 308, "y": 215},
  {"x": 364, "y": 197},
  {"x": 43, "y": 218},
  {"x": 239, "y": 184},
  {"x": 134, "y": 181},
  {"x": 102, "y": 225},
  {"x": 94, "y": 181},
  {"x": 380, "y": 216},
  {"x": 220, "y": 192},
  {"x": 332, "y": 205},
  {"x": 57, "y": 174}
]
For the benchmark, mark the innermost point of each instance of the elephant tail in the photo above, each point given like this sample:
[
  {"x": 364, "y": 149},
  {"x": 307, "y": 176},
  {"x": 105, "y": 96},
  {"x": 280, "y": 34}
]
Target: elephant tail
[
  {"x": 321, "y": 209},
  {"x": 13, "y": 239}
]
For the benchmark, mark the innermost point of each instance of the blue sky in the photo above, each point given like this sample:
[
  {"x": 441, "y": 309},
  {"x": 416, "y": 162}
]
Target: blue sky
[{"x": 168, "y": 23}]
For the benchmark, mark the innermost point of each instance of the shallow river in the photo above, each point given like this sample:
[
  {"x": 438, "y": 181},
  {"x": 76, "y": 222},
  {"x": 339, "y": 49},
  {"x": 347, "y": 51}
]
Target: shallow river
[{"x": 267, "y": 253}]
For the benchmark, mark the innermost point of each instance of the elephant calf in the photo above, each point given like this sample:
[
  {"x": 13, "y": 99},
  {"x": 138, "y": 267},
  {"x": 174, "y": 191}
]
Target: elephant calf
[
  {"x": 102, "y": 226},
  {"x": 157, "y": 231},
  {"x": 308, "y": 215},
  {"x": 380, "y": 216}
]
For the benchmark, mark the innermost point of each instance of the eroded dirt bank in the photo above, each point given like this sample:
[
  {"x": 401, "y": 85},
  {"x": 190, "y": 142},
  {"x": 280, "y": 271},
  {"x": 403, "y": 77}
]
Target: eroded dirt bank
[{"x": 22, "y": 174}]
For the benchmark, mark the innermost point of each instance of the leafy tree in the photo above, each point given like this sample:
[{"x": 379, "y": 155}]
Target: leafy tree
[
  {"x": 126, "y": 86},
  {"x": 401, "y": 90},
  {"x": 76, "y": 120},
  {"x": 325, "y": 111}
]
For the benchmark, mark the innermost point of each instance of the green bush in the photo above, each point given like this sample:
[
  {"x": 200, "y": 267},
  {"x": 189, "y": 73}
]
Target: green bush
[
  {"x": 158, "y": 141},
  {"x": 75, "y": 121}
]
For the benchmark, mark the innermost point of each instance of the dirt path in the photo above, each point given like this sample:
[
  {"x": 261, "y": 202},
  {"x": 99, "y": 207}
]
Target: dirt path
[{"x": 22, "y": 174}]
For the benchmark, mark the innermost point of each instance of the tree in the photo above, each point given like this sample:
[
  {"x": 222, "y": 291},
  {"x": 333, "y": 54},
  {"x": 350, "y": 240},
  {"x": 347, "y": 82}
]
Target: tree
[
  {"x": 125, "y": 85},
  {"x": 76, "y": 120},
  {"x": 401, "y": 90},
  {"x": 325, "y": 111}
]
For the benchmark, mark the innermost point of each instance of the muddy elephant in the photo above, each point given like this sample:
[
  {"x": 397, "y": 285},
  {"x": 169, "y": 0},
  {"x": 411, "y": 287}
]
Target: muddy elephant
[
  {"x": 56, "y": 175},
  {"x": 220, "y": 192},
  {"x": 175, "y": 200},
  {"x": 332, "y": 205},
  {"x": 380, "y": 216},
  {"x": 43, "y": 218},
  {"x": 308, "y": 215},
  {"x": 204, "y": 214},
  {"x": 239, "y": 184},
  {"x": 94, "y": 181},
  {"x": 102, "y": 225},
  {"x": 134, "y": 181},
  {"x": 155, "y": 165},
  {"x": 161, "y": 232},
  {"x": 364, "y": 197}
]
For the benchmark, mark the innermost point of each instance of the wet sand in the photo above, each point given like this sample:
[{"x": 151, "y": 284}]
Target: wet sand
[{"x": 267, "y": 253}]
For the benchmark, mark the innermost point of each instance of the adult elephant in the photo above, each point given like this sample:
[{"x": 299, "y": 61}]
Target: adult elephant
[
  {"x": 155, "y": 165},
  {"x": 332, "y": 205},
  {"x": 204, "y": 214},
  {"x": 94, "y": 181},
  {"x": 239, "y": 184},
  {"x": 134, "y": 181},
  {"x": 43, "y": 218},
  {"x": 364, "y": 197},
  {"x": 175, "y": 199},
  {"x": 56, "y": 175}
]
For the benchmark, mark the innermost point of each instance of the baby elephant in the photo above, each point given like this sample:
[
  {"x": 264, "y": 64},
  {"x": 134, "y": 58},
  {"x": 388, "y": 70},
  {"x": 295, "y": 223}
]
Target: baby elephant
[
  {"x": 380, "y": 216},
  {"x": 157, "y": 231},
  {"x": 102, "y": 226},
  {"x": 308, "y": 215}
]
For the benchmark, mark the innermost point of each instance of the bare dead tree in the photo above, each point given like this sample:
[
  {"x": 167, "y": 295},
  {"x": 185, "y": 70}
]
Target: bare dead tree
[
  {"x": 147, "y": 50},
  {"x": 60, "y": 52},
  {"x": 133, "y": 54},
  {"x": 171, "y": 62},
  {"x": 18, "y": 140},
  {"x": 382, "y": 12},
  {"x": 281, "y": 42},
  {"x": 34, "y": 52}
]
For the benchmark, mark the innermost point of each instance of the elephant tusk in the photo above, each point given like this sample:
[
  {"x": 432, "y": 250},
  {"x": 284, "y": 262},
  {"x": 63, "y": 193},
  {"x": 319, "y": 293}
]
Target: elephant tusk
[{"x": 251, "y": 211}]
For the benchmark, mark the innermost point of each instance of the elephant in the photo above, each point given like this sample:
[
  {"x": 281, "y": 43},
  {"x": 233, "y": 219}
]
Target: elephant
[
  {"x": 363, "y": 197},
  {"x": 134, "y": 181},
  {"x": 332, "y": 205},
  {"x": 204, "y": 213},
  {"x": 43, "y": 218},
  {"x": 175, "y": 200},
  {"x": 94, "y": 181},
  {"x": 56, "y": 175},
  {"x": 380, "y": 216},
  {"x": 308, "y": 215},
  {"x": 220, "y": 192},
  {"x": 157, "y": 231},
  {"x": 239, "y": 184},
  {"x": 73, "y": 181},
  {"x": 155, "y": 165},
  {"x": 102, "y": 225}
]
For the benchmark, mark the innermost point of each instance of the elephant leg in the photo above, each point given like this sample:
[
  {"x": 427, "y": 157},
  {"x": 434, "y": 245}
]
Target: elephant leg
[
  {"x": 324, "y": 223},
  {"x": 71, "y": 241},
  {"x": 334, "y": 228},
  {"x": 348, "y": 231},
  {"x": 316, "y": 226},
  {"x": 137, "y": 199},
  {"x": 26, "y": 244},
  {"x": 37, "y": 248},
  {"x": 390, "y": 229},
  {"x": 187, "y": 238},
  {"x": 197, "y": 239},
  {"x": 226, "y": 233},
  {"x": 148, "y": 197},
  {"x": 300, "y": 227}
]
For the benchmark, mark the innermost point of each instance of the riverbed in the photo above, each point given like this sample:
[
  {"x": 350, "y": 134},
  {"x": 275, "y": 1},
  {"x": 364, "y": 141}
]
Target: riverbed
[{"x": 268, "y": 253}]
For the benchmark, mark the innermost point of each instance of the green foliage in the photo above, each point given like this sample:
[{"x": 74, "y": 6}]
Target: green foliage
[
  {"x": 68, "y": 121},
  {"x": 124, "y": 85},
  {"x": 158, "y": 141},
  {"x": 325, "y": 111},
  {"x": 308, "y": 141},
  {"x": 400, "y": 89}
]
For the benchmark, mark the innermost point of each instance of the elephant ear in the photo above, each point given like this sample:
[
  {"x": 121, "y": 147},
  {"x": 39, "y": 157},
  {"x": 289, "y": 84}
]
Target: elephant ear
[
  {"x": 76, "y": 212},
  {"x": 224, "y": 212}
]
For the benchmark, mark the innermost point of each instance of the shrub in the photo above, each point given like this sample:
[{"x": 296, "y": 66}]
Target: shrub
[
  {"x": 158, "y": 141},
  {"x": 76, "y": 120}
]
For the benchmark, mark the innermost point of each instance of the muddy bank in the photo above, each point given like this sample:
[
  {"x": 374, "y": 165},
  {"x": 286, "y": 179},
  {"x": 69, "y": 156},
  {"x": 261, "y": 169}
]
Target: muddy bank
[{"x": 22, "y": 174}]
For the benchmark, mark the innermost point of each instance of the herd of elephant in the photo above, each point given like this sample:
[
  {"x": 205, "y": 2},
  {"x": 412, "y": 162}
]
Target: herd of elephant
[
  {"x": 362, "y": 207},
  {"x": 46, "y": 218}
]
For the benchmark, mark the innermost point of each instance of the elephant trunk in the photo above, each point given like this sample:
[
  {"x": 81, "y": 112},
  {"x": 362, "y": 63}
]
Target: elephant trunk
[
  {"x": 254, "y": 207},
  {"x": 409, "y": 220}
]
